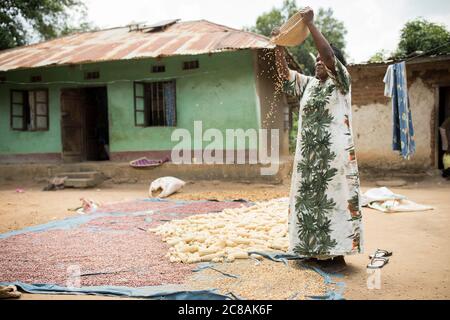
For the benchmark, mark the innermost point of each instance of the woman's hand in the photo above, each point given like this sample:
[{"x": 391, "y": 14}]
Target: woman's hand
[
  {"x": 275, "y": 32},
  {"x": 308, "y": 15}
]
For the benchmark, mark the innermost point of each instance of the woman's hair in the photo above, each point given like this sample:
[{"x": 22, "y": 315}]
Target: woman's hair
[{"x": 339, "y": 55}]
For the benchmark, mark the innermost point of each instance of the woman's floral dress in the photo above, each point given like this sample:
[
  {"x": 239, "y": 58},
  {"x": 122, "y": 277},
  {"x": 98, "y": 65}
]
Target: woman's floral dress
[{"x": 325, "y": 208}]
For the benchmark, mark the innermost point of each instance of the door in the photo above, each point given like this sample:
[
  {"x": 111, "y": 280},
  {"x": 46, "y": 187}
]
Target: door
[
  {"x": 73, "y": 105},
  {"x": 444, "y": 115},
  {"x": 97, "y": 127}
]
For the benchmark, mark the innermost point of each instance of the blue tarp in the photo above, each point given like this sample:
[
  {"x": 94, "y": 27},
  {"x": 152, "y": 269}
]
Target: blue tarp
[{"x": 155, "y": 292}]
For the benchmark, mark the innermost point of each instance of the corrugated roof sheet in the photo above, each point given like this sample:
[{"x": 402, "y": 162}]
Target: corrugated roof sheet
[{"x": 182, "y": 38}]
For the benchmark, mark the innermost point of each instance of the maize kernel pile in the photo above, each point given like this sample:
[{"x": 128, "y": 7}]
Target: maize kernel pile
[{"x": 228, "y": 235}]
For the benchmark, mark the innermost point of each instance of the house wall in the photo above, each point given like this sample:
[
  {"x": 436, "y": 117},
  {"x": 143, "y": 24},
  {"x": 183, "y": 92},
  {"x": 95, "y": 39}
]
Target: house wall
[
  {"x": 372, "y": 114},
  {"x": 221, "y": 93},
  {"x": 271, "y": 98}
]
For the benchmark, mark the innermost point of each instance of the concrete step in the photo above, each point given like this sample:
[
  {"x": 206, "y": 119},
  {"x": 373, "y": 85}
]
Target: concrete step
[
  {"x": 80, "y": 183},
  {"x": 81, "y": 174},
  {"x": 82, "y": 179}
]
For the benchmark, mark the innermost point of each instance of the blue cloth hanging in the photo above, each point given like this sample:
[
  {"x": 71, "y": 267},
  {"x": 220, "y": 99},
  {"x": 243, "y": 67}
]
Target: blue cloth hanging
[{"x": 397, "y": 89}]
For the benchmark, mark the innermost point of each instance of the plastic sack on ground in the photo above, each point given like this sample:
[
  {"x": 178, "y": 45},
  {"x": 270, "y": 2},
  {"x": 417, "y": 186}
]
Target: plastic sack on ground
[{"x": 168, "y": 185}]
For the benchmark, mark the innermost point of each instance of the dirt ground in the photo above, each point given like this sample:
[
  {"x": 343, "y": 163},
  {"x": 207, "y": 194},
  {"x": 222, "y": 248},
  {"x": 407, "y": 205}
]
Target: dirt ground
[{"x": 419, "y": 268}]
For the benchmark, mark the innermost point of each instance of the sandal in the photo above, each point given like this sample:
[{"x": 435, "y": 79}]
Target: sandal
[
  {"x": 380, "y": 254},
  {"x": 377, "y": 263}
]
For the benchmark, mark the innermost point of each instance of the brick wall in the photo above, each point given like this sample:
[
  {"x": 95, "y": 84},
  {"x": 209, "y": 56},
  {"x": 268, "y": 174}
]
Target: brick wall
[
  {"x": 372, "y": 113},
  {"x": 367, "y": 80},
  {"x": 367, "y": 85}
]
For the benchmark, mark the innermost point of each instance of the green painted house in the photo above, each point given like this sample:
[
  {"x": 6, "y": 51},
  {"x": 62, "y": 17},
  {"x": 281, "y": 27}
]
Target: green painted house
[{"x": 118, "y": 94}]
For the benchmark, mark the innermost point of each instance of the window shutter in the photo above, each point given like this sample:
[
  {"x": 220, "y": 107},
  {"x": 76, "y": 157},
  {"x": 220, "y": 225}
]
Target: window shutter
[
  {"x": 18, "y": 109},
  {"x": 40, "y": 109},
  {"x": 139, "y": 105}
]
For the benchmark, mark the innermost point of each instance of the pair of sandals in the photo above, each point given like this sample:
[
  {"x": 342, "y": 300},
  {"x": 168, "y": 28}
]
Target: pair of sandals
[{"x": 379, "y": 259}]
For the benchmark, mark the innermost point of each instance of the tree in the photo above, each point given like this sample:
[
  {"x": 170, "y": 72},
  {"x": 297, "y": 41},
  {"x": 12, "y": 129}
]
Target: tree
[
  {"x": 422, "y": 35},
  {"x": 333, "y": 29},
  {"x": 267, "y": 21},
  {"x": 380, "y": 56},
  {"x": 22, "y": 21}
]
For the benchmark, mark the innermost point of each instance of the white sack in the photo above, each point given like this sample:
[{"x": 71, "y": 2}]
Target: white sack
[{"x": 168, "y": 185}]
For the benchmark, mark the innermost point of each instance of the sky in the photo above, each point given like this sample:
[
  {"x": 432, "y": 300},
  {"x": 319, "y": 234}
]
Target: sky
[{"x": 372, "y": 25}]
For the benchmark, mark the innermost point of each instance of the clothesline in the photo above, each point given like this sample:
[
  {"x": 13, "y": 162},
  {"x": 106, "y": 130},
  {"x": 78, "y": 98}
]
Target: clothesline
[
  {"x": 419, "y": 55},
  {"x": 425, "y": 53}
]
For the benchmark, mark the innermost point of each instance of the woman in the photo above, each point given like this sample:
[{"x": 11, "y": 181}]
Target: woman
[{"x": 325, "y": 210}]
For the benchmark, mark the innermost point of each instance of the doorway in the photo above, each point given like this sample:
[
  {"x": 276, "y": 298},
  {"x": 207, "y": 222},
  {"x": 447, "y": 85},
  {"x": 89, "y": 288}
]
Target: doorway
[
  {"x": 84, "y": 124},
  {"x": 444, "y": 113}
]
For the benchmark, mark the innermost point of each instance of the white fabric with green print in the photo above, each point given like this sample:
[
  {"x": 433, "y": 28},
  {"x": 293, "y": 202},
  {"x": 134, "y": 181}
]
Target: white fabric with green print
[{"x": 325, "y": 204}]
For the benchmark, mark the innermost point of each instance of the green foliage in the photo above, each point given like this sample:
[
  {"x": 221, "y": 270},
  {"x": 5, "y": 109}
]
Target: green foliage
[
  {"x": 312, "y": 203},
  {"x": 266, "y": 22},
  {"x": 425, "y": 36},
  {"x": 418, "y": 37},
  {"x": 333, "y": 29},
  {"x": 379, "y": 57},
  {"x": 23, "y": 20}
]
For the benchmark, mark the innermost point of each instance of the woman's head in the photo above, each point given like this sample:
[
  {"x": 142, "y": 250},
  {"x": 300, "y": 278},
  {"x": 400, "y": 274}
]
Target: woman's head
[{"x": 321, "y": 72}]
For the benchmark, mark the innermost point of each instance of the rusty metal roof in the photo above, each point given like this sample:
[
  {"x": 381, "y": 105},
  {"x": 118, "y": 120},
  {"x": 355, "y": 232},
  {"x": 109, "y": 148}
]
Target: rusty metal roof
[{"x": 181, "y": 38}]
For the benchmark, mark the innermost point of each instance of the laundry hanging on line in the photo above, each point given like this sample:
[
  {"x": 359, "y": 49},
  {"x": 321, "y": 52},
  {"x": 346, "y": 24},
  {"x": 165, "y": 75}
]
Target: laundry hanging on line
[{"x": 396, "y": 88}]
